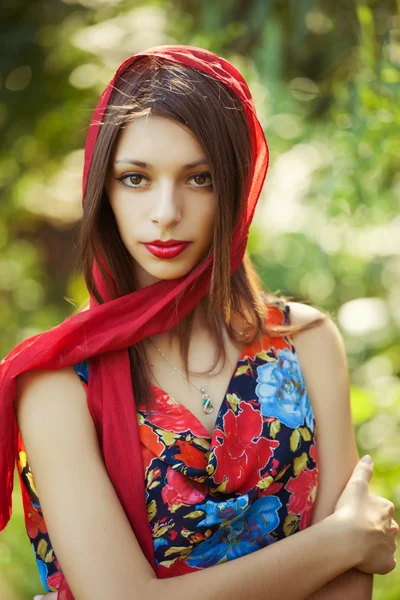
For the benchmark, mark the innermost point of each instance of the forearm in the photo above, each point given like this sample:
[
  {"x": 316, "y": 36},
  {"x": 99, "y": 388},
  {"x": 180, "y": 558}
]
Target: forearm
[
  {"x": 352, "y": 584},
  {"x": 293, "y": 568}
]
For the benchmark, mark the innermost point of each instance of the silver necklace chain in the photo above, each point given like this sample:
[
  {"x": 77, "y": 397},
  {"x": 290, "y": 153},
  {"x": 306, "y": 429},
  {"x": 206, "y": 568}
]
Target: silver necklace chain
[{"x": 207, "y": 406}]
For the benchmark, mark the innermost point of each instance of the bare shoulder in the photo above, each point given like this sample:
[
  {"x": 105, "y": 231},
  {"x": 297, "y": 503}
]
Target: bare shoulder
[
  {"x": 45, "y": 399},
  {"x": 301, "y": 314},
  {"x": 320, "y": 341},
  {"x": 46, "y": 380},
  {"x": 320, "y": 348}
]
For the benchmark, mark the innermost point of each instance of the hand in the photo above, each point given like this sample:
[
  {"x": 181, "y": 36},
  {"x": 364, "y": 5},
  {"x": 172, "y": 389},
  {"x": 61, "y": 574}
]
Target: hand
[{"x": 369, "y": 521}]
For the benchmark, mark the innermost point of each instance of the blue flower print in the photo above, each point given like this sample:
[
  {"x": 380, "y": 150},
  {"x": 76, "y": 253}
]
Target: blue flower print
[
  {"x": 43, "y": 571},
  {"x": 82, "y": 369},
  {"x": 218, "y": 512},
  {"x": 245, "y": 534},
  {"x": 159, "y": 542},
  {"x": 309, "y": 413},
  {"x": 281, "y": 391}
]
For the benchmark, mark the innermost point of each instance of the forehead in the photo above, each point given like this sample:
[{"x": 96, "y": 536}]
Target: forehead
[{"x": 155, "y": 139}]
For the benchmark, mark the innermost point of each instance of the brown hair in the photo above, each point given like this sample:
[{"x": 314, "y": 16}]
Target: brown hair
[{"x": 216, "y": 117}]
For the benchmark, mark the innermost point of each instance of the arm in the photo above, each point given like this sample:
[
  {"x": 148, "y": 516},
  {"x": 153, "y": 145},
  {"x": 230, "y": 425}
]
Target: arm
[
  {"x": 323, "y": 361},
  {"x": 91, "y": 534}
]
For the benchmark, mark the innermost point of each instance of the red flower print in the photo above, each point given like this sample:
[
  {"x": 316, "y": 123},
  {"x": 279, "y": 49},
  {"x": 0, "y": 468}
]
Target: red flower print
[
  {"x": 147, "y": 457},
  {"x": 171, "y": 415},
  {"x": 150, "y": 439},
  {"x": 178, "y": 491},
  {"x": 272, "y": 490},
  {"x": 275, "y": 463},
  {"x": 313, "y": 454},
  {"x": 191, "y": 456},
  {"x": 179, "y": 567},
  {"x": 240, "y": 451},
  {"x": 304, "y": 490},
  {"x": 53, "y": 581},
  {"x": 34, "y": 523}
]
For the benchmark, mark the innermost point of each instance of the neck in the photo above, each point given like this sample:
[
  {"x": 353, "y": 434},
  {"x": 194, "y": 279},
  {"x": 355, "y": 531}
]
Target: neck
[{"x": 170, "y": 340}]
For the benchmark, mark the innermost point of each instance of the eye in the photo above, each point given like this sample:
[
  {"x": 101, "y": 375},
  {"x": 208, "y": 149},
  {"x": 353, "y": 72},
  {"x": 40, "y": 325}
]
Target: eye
[
  {"x": 201, "y": 180},
  {"x": 133, "y": 180}
]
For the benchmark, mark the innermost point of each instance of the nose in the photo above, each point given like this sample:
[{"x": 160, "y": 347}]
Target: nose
[{"x": 166, "y": 209}]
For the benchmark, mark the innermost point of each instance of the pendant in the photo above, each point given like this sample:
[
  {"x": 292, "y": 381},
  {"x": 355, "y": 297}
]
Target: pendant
[{"x": 207, "y": 406}]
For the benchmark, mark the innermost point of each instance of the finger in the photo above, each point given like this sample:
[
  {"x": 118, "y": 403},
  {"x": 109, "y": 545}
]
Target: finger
[
  {"x": 393, "y": 527},
  {"x": 391, "y": 509},
  {"x": 363, "y": 469}
]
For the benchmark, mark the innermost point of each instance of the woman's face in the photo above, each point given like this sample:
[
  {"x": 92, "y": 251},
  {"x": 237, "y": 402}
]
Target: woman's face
[{"x": 160, "y": 188}]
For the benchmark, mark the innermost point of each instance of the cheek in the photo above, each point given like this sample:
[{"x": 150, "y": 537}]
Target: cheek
[
  {"x": 204, "y": 213},
  {"x": 127, "y": 225},
  {"x": 127, "y": 214},
  {"x": 121, "y": 216}
]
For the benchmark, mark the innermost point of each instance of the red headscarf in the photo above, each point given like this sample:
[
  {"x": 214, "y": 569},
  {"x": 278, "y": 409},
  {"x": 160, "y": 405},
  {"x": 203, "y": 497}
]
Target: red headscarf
[{"x": 104, "y": 332}]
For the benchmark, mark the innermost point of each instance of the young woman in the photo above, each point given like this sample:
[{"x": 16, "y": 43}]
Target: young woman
[{"x": 188, "y": 435}]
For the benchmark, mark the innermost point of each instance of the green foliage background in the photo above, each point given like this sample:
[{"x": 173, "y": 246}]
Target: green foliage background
[{"x": 325, "y": 78}]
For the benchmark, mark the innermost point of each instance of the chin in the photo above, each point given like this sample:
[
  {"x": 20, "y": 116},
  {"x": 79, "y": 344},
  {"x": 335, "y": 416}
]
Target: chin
[
  {"x": 170, "y": 272},
  {"x": 148, "y": 274}
]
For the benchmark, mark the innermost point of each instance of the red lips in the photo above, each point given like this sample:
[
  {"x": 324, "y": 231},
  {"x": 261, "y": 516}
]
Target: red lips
[
  {"x": 168, "y": 249},
  {"x": 167, "y": 243}
]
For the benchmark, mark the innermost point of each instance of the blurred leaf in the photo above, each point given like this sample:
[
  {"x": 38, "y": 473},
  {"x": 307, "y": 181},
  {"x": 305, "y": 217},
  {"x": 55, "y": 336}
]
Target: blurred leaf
[{"x": 363, "y": 407}]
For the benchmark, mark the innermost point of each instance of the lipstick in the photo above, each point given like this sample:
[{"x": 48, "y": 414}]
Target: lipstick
[{"x": 161, "y": 251}]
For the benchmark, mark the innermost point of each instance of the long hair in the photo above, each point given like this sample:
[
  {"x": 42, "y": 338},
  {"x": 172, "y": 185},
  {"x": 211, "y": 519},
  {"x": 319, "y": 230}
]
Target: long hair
[{"x": 216, "y": 117}]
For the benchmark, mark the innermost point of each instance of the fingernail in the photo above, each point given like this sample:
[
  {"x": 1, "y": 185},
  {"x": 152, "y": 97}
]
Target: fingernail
[
  {"x": 367, "y": 459},
  {"x": 38, "y": 597}
]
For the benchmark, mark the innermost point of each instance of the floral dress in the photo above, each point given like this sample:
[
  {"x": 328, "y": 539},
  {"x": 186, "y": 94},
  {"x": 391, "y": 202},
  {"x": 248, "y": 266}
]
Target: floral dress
[{"x": 214, "y": 499}]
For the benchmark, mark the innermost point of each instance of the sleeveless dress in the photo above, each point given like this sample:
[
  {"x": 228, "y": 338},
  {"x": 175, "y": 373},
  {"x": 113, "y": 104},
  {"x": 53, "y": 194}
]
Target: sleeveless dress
[{"x": 211, "y": 500}]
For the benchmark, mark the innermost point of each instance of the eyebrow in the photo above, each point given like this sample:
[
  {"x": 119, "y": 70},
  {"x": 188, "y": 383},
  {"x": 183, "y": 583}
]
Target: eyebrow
[{"x": 144, "y": 165}]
